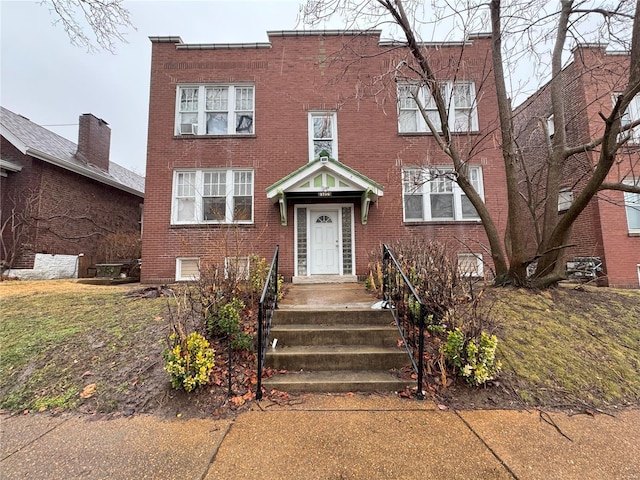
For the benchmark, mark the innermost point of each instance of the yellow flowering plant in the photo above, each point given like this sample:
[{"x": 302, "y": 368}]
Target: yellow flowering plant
[{"x": 189, "y": 362}]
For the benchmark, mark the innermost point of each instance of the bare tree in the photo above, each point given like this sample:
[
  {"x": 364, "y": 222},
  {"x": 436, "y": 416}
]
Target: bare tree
[
  {"x": 519, "y": 28},
  {"x": 107, "y": 19},
  {"x": 18, "y": 217}
]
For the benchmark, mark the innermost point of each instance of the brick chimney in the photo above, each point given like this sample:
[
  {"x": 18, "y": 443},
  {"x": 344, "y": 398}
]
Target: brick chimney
[{"x": 94, "y": 139}]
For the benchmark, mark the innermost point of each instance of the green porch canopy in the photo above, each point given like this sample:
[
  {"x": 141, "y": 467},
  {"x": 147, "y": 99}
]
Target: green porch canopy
[{"x": 323, "y": 178}]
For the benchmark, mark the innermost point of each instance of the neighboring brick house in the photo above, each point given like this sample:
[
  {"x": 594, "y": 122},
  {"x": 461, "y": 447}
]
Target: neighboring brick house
[
  {"x": 609, "y": 227},
  {"x": 76, "y": 195},
  {"x": 253, "y": 145}
]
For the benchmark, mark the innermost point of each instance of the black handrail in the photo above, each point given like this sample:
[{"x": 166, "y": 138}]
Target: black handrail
[
  {"x": 268, "y": 303},
  {"x": 408, "y": 311}
]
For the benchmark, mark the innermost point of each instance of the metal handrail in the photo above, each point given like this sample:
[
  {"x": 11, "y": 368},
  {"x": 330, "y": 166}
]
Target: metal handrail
[
  {"x": 268, "y": 303},
  {"x": 408, "y": 311}
]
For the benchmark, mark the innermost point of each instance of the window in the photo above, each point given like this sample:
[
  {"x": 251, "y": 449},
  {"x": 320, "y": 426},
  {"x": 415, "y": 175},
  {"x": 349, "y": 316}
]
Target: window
[
  {"x": 236, "y": 268},
  {"x": 215, "y": 110},
  {"x": 551, "y": 128},
  {"x": 323, "y": 134},
  {"x": 470, "y": 265},
  {"x": 460, "y": 98},
  {"x": 631, "y": 114},
  {"x": 212, "y": 196},
  {"x": 565, "y": 199},
  {"x": 433, "y": 194},
  {"x": 632, "y": 206},
  {"x": 187, "y": 269}
]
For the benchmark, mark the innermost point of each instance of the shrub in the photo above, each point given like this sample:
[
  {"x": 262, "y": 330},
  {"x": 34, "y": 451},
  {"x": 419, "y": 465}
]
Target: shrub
[
  {"x": 475, "y": 359},
  {"x": 189, "y": 362},
  {"x": 227, "y": 320}
]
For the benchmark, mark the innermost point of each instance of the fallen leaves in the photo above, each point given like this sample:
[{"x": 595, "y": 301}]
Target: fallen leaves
[{"x": 89, "y": 390}]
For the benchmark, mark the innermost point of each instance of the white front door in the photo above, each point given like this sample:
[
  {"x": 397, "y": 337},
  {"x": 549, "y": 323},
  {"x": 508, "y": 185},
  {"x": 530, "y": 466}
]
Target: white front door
[{"x": 324, "y": 243}]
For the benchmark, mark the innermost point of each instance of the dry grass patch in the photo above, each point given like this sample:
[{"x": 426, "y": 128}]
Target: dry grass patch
[
  {"x": 59, "y": 336},
  {"x": 567, "y": 347}
]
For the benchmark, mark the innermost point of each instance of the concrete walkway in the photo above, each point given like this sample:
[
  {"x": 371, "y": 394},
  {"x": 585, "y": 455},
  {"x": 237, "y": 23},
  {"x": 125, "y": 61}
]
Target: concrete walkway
[{"x": 326, "y": 437}]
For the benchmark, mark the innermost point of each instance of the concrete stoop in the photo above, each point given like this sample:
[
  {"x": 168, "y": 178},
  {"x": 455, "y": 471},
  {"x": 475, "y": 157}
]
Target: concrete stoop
[{"x": 350, "y": 350}]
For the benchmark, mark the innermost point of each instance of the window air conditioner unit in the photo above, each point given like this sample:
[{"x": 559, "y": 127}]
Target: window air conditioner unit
[{"x": 188, "y": 129}]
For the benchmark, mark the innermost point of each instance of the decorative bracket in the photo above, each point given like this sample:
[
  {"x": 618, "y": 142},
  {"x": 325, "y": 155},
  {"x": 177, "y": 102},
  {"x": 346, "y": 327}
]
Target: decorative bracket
[
  {"x": 365, "y": 202},
  {"x": 282, "y": 201}
]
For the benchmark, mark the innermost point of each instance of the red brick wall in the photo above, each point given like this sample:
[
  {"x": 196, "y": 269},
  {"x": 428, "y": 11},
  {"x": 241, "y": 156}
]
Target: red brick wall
[
  {"x": 75, "y": 213},
  {"x": 601, "y": 229},
  {"x": 291, "y": 80}
]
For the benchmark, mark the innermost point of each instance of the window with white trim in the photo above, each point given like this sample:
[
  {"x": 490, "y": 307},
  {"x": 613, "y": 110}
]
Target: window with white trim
[
  {"x": 460, "y": 98},
  {"x": 565, "y": 199},
  {"x": 551, "y": 128},
  {"x": 631, "y": 114},
  {"x": 236, "y": 268},
  {"x": 470, "y": 265},
  {"x": 187, "y": 269},
  {"x": 323, "y": 134},
  {"x": 212, "y": 196},
  {"x": 215, "y": 110},
  {"x": 432, "y": 194},
  {"x": 632, "y": 207}
]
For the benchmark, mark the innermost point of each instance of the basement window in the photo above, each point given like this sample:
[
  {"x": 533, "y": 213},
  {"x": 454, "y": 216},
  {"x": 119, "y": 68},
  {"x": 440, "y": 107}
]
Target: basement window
[{"x": 187, "y": 269}]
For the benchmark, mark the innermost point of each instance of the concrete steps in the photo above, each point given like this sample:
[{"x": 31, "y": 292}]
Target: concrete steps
[{"x": 335, "y": 350}]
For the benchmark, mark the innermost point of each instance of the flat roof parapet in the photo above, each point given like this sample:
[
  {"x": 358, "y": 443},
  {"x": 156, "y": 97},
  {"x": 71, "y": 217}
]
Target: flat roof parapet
[
  {"x": 322, "y": 33},
  {"x": 165, "y": 39}
]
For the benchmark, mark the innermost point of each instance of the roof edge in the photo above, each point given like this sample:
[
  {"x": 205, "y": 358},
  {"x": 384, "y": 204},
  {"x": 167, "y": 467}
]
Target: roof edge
[
  {"x": 167, "y": 39},
  {"x": 82, "y": 171},
  {"x": 221, "y": 46},
  {"x": 322, "y": 33}
]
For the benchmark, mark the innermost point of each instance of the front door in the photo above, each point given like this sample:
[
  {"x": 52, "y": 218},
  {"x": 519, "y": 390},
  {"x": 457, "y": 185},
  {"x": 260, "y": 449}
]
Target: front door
[{"x": 324, "y": 243}]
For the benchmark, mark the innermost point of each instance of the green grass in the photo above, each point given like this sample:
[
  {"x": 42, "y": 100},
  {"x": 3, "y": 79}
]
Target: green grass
[
  {"x": 570, "y": 346},
  {"x": 558, "y": 348},
  {"x": 52, "y": 334}
]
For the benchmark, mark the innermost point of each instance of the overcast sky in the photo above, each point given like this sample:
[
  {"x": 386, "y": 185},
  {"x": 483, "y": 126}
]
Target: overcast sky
[
  {"x": 51, "y": 82},
  {"x": 46, "y": 79}
]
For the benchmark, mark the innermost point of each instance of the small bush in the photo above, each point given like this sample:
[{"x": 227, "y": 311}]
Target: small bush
[
  {"x": 475, "y": 359},
  {"x": 189, "y": 362},
  {"x": 227, "y": 321}
]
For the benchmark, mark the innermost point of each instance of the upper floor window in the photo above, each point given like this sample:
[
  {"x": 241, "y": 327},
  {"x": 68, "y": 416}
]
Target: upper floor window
[
  {"x": 632, "y": 206},
  {"x": 215, "y": 110},
  {"x": 433, "y": 194},
  {"x": 630, "y": 115},
  {"x": 212, "y": 196},
  {"x": 323, "y": 134},
  {"x": 565, "y": 199},
  {"x": 460, "y": 98}
]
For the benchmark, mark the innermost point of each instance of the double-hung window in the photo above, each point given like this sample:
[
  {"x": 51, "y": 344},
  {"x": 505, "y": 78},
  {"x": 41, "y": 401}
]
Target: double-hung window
[
  {"x": 215, "y": 110},
  {"x": 460, "y": 101},
  {"x": 630, "y": 115},
  {"x": 212, "y": 196},
  {"x": 323, "y": 135},
  {"x": 632, "y": 206},
  {"x": 433, "y": 194}
]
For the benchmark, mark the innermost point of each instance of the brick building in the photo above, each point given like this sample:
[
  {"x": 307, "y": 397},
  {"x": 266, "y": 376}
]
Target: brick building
[
  {"x": 301, "y": 142},
  {"x": 609, "y": 227},
  {"x": 74, "y": 194}
]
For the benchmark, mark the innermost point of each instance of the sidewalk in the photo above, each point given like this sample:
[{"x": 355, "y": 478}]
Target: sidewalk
[{"x": 326, "y": 437}]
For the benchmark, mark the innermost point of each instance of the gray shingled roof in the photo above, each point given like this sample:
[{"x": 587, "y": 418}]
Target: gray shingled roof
[{"x": 41, "y": 143}]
